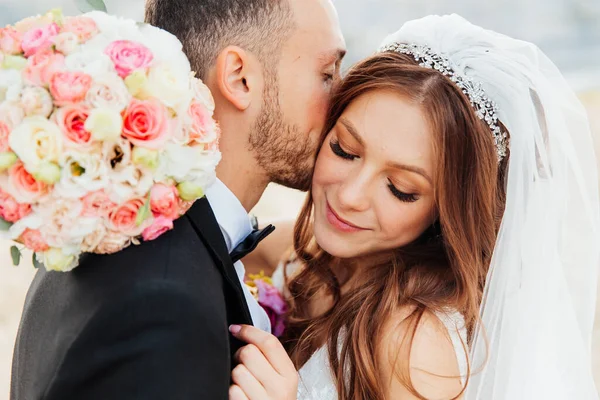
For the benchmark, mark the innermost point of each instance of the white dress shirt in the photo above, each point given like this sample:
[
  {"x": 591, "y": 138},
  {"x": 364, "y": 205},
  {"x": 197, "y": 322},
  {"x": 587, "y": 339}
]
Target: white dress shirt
[{"x": 235, "y": 225}]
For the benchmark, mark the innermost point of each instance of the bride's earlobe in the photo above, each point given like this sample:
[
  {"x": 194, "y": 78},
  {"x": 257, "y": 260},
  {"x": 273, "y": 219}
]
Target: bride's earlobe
[{"x": 231, "y": 77}]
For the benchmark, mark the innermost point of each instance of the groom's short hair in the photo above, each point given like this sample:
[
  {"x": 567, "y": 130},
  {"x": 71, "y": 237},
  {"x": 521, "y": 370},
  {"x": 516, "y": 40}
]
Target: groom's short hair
[{"x": 206, "y": 27}]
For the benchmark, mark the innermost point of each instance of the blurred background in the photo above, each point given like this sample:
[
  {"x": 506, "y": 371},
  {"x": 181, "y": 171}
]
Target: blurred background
[{"x": 567, "y": 30}]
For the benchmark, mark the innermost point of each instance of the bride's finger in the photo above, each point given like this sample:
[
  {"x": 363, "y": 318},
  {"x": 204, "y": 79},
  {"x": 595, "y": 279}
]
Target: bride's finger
[
  {"x": 268, "y": 344},
  {"x": 236, "y": 393},
  {"x": 258, "y": 365},
  {"x": 251, "y": 387}
]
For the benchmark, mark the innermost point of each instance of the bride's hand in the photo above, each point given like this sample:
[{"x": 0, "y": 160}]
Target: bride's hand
[{"x": 265, "y": 371}]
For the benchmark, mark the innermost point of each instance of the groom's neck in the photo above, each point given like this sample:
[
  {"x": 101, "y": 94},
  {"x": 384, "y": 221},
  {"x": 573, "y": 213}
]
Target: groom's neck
[{"x": 241, "y": 177}]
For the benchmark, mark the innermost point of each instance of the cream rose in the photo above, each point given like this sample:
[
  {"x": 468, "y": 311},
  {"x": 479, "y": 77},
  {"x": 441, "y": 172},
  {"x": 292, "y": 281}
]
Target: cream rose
[
  {"x": 36, "y": 141},
  {"x": 171, "y": 88},
  {"x": 36, "y": 101}
]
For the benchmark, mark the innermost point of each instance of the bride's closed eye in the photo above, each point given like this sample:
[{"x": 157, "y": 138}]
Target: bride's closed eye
[
  {"x": 340, "y": 152},
  {"x": 400, "y": 195}
]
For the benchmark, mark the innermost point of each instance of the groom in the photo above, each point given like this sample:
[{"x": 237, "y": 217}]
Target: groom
[{"x": 151, "y": 321}]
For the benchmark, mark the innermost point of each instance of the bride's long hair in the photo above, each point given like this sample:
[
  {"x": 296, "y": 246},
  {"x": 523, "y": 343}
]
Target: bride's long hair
[{"x": 445, "y": 268}]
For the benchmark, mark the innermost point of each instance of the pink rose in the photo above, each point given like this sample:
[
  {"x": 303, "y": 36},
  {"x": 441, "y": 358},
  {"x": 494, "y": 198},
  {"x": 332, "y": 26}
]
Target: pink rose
[
  {"x": 146, "y": 124},
  {"x": 10, "y": 41},
  {"x": 25, "y": 184},
  {"x": 164, "y": 200},
  {"x": 4, "y": 132},
  {"x": 203, "y": 125},
  {"x": 159, "y": 226},
  {"x": 123, "y": 217},
  {"x": 69, "y": 87},
  {"x": 10, "y": 210},
  {"x": 272, "y": 301},
  {"x": 42, "y": 66},
  {"x": 32, "y": 239},
  {"x": 97, "y": 204},
  {"x": 128, "y": 56},
  {"x": 39, "y": 38},
  {"x": 71, "y": 120},
  {"x": 84, "y": 27}
]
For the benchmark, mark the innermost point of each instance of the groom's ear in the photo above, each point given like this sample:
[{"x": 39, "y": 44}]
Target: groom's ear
[{"x": 235, "y": 76}]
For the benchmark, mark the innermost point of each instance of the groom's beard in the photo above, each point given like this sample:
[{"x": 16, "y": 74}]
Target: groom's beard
[{"x": 281, "y": 149}]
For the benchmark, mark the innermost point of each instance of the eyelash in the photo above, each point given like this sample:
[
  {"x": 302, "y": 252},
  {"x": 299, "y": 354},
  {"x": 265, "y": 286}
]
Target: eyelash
[
  {"x": 404, "y": 197},
  {"x": 338, "y": 151}
]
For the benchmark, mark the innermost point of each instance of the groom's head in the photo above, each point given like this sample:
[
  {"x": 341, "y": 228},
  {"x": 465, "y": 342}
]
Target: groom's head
[{"x": 270, "y": 65}]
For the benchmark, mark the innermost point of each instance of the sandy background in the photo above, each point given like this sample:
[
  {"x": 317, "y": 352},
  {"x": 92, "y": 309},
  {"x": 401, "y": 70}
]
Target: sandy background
[{"x": 276, "y": 203}]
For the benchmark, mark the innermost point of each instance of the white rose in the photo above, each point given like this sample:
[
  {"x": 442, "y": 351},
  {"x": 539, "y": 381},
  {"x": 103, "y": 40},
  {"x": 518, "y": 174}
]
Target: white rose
[
  {"x": 82, "y": 173},
  {"x": 93, "y": 62},
  {"x": 11, "y": 85},
  {"x": 112, "y": 28},
  {"x": 66, "y": 42},
  {"x": 108, "y": 91},
  {"x": 32, "y": 221},
  {"x": 11, "y": 114},
  {"x": 185, "y": 163},
  {"x": 63, "y": 226},
  {"x": 36, "y": 100},
  {"x": 36, "y": 141},
  {"x": 169, "y": 86}
]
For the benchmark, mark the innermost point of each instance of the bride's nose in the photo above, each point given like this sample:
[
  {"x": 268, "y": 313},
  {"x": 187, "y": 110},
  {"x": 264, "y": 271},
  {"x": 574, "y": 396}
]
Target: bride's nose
[{"x": 354, "y": 192}]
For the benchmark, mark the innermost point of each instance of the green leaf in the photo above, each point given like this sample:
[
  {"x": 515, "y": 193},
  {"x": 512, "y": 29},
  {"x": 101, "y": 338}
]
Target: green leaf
[
  {"x": 35, "y": 262},
  {"x": 4, "y": 224},
  {"x": 91, "y": 5},
  {"x": 144, "y": 212},
  {"x": 16, "y": 255}
]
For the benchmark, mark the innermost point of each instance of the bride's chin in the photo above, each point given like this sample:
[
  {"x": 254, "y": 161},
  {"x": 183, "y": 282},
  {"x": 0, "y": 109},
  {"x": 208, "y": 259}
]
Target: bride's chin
[{"x": 332, "y": 244}]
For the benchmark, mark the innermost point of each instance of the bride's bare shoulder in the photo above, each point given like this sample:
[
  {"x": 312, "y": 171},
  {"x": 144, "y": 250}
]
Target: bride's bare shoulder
[{"x": 433, "y": 365}]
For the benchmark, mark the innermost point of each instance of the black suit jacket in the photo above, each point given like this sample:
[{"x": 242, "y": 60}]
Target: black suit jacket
[{"x": 150, "y": 322}]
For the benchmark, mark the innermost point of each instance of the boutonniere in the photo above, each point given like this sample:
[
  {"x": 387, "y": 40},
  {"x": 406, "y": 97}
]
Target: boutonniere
[{"x": 269, "y": 298}]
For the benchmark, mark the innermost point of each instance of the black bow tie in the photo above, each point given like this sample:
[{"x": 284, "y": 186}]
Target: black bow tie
[{"x": 249, "y": 244}]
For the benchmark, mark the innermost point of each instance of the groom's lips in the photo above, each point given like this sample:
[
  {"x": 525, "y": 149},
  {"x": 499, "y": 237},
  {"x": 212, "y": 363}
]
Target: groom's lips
[{"x": 341, "y": 224}]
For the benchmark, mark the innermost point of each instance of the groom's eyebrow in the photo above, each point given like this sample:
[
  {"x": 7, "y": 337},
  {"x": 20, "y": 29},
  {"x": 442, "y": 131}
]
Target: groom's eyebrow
[{"x": 329, "y": 57}]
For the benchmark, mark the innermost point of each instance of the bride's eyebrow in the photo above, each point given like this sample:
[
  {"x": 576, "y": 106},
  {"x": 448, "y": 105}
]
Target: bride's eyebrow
[{"x": 352, "y": 130}]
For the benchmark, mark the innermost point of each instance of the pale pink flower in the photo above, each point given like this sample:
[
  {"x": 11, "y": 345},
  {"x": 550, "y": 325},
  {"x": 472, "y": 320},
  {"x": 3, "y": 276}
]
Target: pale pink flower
[
  {"x": 24, "y": 185},
  {"x": 109, "y": 243},
  {"x": 4, "y": 133},
  {"x": 84, "y": 27},
  {"x": 10, "y": 210},
  {"x": 164, "y": 200},
  {"x": 69, "y": 87},
  {"x": 160, "y": 225},
  {"x": 97, "y": 204},
  {"x": 33, "y": 240},
  {"x": 71, "y": 121},
  {"x": 146, "y": 124},
  {"x": 39, "y": 38},
  {"x": 29, "y": 23},
  {"x": 204, "y": 127},
  {"x": 42, "y": 66},
  {"x": 10, "y": 41},
  {"x": 128, "y": 56}
]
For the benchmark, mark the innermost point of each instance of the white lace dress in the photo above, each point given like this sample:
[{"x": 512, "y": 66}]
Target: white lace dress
[{"x": 316, "y": 380}]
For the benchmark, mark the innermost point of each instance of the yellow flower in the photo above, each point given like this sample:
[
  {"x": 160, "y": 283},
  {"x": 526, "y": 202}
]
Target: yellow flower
[
  {"x": 55, "y": 260},
  {"x": 189, "y": 191},
  {"x": 7, "y": 160}
]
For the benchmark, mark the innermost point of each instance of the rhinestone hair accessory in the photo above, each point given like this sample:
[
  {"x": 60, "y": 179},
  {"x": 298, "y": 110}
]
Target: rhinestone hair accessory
[{"x": 484, "y": 107}]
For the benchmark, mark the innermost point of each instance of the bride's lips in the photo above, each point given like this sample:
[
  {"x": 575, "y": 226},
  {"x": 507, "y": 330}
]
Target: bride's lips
[{"x": 340, "y": 223}]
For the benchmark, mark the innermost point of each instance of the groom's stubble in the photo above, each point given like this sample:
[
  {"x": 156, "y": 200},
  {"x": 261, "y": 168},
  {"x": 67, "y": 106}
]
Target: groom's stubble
[{"x": 279, "y": 147}]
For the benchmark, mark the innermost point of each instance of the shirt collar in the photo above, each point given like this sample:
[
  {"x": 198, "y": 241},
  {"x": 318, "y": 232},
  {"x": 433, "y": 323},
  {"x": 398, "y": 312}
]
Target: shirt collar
[{"x": 230, "y": 214}]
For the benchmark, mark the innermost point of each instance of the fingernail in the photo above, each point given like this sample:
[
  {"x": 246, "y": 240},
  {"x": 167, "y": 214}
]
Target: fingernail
[{"x": 235, "y": 329}]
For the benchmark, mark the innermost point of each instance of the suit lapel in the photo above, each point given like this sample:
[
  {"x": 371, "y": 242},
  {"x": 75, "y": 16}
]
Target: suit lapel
[{"x": 205, "y": 225}]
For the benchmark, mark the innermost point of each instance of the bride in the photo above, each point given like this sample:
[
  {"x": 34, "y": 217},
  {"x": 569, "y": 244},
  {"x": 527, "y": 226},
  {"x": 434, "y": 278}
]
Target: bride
[{"x": 448, "y": 248}]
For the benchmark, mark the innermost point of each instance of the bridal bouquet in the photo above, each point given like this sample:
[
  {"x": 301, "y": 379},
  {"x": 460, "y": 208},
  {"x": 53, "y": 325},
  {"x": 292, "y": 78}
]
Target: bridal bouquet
[{"x": 106, "y": 137}]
